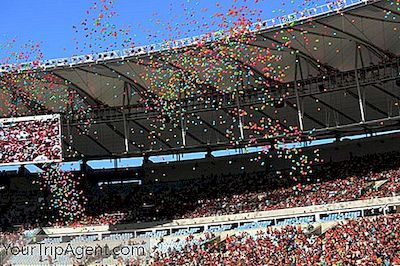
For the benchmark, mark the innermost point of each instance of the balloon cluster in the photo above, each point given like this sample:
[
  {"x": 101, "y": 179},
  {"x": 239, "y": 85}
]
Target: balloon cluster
[
  {"x": 227, "y": 66},
  {"x": 66, "y": 199}
]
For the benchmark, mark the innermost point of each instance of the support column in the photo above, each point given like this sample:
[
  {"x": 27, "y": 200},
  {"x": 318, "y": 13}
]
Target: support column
[
  {"x": 70, "y": 110},
  {"x": 126, "y": 102},
  {"x": 183, "y": 130},
  {"x": 296, "y": 91},
  {"x": 125, "y": 131},
  {"x": 182, "y": 118},
  {"x": 359, "y": 93},
  {"x": 126, "y": 97},
  {"x": 239, "y": 116},
  {"x": 239, "y": 109}
]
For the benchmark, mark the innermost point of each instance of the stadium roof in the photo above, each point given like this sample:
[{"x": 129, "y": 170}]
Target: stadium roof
[{"x": 342, "y": 77}]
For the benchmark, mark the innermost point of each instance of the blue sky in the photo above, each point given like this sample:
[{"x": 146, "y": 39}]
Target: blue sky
[{"x": 51, "y": 22}]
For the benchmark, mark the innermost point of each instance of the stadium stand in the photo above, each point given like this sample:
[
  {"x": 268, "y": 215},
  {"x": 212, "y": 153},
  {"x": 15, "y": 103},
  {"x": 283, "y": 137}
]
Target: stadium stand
[
  {"x": 369, "y": 241},
  {"x": 365, "y": 241},
  {"x": 246, "y": 209},
  {"x": 222, "y": 195},
  {"x": 361, "y": 178},
  {"x": 231, "y": 194}
]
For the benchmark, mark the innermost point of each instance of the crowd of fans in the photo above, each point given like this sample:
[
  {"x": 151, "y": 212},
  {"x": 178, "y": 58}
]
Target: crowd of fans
[
  {"x": 103, "y": 219},
  {"x": 227, "y": 194},
  {"x": 336, "y": 182},
  {"x": 231, "y": 194},
  {"x": 368, "y": 241},
  {"x": 12, "y": 239},
  {"x": 30, "y": 141}
]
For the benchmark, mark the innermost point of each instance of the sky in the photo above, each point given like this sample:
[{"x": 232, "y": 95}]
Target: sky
[{"x": 50, "y": 22}]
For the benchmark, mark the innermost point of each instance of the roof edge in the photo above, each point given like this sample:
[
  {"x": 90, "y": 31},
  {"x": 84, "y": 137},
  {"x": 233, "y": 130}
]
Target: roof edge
[{"x": 102, "y": 57}]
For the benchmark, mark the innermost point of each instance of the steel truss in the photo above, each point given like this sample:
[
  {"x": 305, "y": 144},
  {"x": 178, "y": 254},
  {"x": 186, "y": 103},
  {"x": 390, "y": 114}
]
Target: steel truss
[
  {"x": 371, "y": 77},
  {"x": 311, "y": 87}
]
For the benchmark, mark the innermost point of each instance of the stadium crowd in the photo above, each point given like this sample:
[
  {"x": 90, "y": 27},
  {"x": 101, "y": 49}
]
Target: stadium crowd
[
  {"x": 231, "y": 194},
  {"x": 12, "y": 239},
  {"x": 220, "y": 195},
  {"x": 30, "y": 141},
  {"x": 368, "y": 241}
]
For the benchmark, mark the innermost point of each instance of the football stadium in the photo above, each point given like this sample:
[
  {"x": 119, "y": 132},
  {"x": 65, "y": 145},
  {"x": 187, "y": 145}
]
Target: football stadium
[{"x": 272, "y": 141}]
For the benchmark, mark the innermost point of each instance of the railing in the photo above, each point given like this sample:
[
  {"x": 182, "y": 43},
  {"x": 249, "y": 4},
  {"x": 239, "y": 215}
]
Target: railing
[
  {"x": 299, "y": 215},
  {"x": 167, "y": 45}
]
